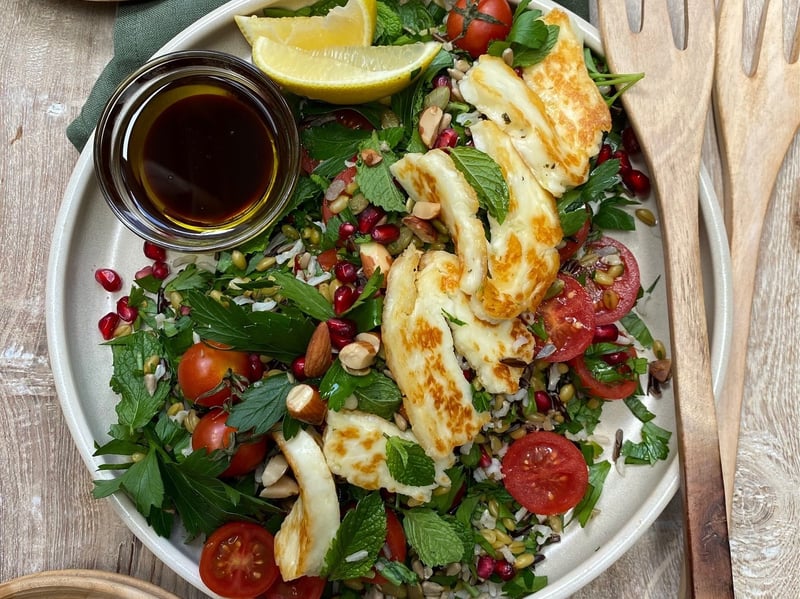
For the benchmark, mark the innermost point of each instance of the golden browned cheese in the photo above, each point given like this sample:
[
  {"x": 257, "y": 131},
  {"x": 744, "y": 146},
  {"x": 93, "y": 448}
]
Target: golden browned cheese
[
  {"x": 310, "y": 526},
  {"x": 572, "y": 100},
  {"x": 522, "y": 256},
  {"x": 555, "y": 116},
  {"x": 432, "y": 177},
  {"x": 420, "y": 354},
  {"x": 354, "y": 445}
]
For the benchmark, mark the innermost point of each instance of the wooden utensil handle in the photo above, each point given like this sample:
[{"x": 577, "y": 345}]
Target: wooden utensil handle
[{"x": 709, "y": 573}]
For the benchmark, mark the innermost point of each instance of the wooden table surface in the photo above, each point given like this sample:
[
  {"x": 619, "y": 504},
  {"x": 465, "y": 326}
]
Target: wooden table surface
[{"x": 51, "y": 51}]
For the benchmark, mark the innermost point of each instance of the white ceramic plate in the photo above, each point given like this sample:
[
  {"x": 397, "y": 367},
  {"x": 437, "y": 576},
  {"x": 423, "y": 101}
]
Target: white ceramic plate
[{"x": 88, "y": 236}]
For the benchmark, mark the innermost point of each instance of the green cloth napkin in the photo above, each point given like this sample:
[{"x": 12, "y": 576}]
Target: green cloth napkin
[{"x": 141, "y": 29}]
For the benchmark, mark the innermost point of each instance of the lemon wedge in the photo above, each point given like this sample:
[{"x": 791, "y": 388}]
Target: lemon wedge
[
  {"x": 350, "y": 25},
  {"x": 346, "y": 74}
]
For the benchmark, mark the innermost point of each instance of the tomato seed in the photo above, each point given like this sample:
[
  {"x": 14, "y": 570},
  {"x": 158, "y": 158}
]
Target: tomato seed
[{"x": 108, "y": 279}]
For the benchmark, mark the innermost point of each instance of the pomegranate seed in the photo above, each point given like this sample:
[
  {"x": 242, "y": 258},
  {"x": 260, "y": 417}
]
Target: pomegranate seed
[
  {"x": 469, "y": 374},
  {"x": 154, "y": 252},
  {"x": 617, "y": 357},
  {"x": 441, "y": 80},
  {"x": 448, "y": 138},
  {"x": 485, "y": 460},
  {"x": 604, "y": 154},
  {"x": 346, "y": 230},
  {"x": 299, "y": 368},
  {"x": 385, "y": 234},
  {"x": 543, "y": 401},
  {"x": 605, "y": 332},
  {"x": 504, "y": 570},
  {"x": 624, "y": 161},
  {"x": 485, "y": 566},
  {"x": 108, "y": 279},
  {"x": 637, "y": 182},
  {"x": 339, "y": 341},
  {"x": 368, "y": 218},
  {"x": 343, "y": 298},
  {"x": 629, "y": 141},
  {"x": 147, "y": 271},
  {"x": 342, "y": 327},
  {"x": 125, "y": 311},
  {"x": 346, "y": 272},
  {"x": 160, "y": 270},
  {"x": 519, "y": 72},
  {"x": 255, "y": 368},
  {"x": 108, "y": 324}
]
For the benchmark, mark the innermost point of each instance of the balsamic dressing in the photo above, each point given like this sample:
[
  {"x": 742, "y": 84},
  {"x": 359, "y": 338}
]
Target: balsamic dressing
[{"x": 207, "y": 157}]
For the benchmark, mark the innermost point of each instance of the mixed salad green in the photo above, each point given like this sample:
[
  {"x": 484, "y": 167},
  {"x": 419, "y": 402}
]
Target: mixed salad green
[{"x": 206, "y": 350}]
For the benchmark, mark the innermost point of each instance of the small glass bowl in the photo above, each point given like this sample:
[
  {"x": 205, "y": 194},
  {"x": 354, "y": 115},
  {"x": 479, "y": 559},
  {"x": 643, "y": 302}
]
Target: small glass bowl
[{"x": 197, "y": 151}]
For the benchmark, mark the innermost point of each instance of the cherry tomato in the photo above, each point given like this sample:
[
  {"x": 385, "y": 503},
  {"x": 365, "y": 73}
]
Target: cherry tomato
[
  {"x": 352, "y": 119},
  {"x": 305, "y": 587},
  {"x": 395, "y": 549},
  {"x": 212, "y": 433},
  {"x": 625, "y": 287},
  {"x": 568, "y": 320},
  {"x": 328, "y": 259},
  {"x": 625, "y": 383},
  {"x": 205, "y": 372},
  {"x": 545, "y": 473},
  {"x": 472, "y": 24},
  {"x": 238, "y": 560},
  {"x": 573, "y": 243}
]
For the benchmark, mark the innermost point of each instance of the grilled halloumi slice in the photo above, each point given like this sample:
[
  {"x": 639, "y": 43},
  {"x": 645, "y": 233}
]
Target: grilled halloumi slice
[
  {"x": 432, "y": 177},
  {"x": 558, "y": 162},
  {"x": 522, "y": 254},
  {"x": 354, "y": 445},
  {"x": 305, "y": 534},
  {"x": 419, "y": 351},
  {"x": 496, "y": 350},
  {"x": 573, "y": 102}
]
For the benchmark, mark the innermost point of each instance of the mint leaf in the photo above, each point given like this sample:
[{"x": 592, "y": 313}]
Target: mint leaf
[
  {"x": 408, "y": 463},
  {"x": 388, "y": 25},
  {"x": 610, "y": 215},
  {"x": 434, "y": 539},
  {"x": 305, "y": 297},
  {"x": 485, "y": 176},
  {"x": 653, "y": 447},
  {"x": 637, "y": 329},
  {"x": 263, "y": 405},
  {"x": 361, "y": 535},
  {"x": 376, "y": 182},
  {"x": 378, "y": 394},
  {"x": 597, "y": 476},
  {"x": 136, "y": 406},
  {"x": 332, "y": 140},
  {"x": 395, "y": 572}
]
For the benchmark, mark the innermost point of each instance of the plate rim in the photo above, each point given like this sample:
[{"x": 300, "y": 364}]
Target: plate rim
[{"x": 186, "y": 568}]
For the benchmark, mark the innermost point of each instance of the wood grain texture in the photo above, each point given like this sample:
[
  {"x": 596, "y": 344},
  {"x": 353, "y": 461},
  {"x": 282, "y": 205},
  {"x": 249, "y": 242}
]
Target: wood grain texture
[
  {"x": 51, "y": 51},
  {"x": 669, "y": 113},
  {"x": 748, "y": 105}
]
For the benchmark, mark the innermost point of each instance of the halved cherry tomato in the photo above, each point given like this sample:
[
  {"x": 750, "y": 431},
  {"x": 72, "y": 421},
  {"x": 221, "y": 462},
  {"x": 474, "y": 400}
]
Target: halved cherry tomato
[
  {"x": 206, "y": 373},
  {"x": 395, "y": 549},
  {"x": 328, "y": 259},
  {"x": 238, "y": 560},
  {"x": 625, "y": 287},
  {"x": 568, "y": 320},
  {"x": 305, "y": 587},
  {"x": 626, "y": 383},
  {"x": 573, "y": 243},
  {"x": 212, "y": 433},
  {"x": 472, "y": 24},
  {"x": 545, "y": 473}
]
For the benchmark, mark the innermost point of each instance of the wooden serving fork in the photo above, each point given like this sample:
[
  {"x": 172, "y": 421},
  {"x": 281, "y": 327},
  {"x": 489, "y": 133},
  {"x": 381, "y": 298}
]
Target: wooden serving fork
[
  {"x": 668, "y": 110},
  {"x": 757, "y": 116}
]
